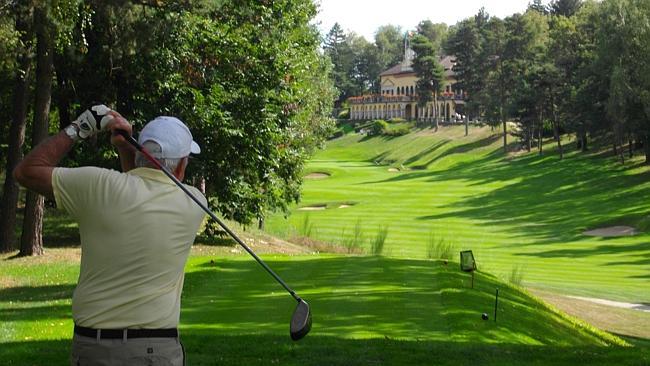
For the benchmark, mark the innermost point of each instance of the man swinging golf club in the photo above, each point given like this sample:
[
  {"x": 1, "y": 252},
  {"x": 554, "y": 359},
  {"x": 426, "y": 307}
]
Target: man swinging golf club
[{"x": 136, "y": 231}]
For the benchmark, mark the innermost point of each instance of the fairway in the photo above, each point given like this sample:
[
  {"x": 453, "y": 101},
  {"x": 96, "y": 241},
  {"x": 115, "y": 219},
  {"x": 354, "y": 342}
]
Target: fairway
[
  {"x": 524, "y": 213},
  {"x": 367, "y": 310}
]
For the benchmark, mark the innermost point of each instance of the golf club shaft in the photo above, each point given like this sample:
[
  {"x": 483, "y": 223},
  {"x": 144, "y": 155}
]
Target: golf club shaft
[{"x": 171, "y": 176}]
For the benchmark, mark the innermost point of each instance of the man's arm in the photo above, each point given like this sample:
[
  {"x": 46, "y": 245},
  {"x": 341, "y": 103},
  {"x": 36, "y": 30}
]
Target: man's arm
[
  {"x": 124, "y": 149},
  {"x": 34, "y": 172}
]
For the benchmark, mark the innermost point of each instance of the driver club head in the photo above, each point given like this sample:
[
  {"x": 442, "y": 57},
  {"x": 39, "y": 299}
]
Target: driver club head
[{"x": 300, "y": 321}]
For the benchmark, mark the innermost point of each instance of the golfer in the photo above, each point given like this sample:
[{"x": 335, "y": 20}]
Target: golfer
[{"x": 136, "y": 230}]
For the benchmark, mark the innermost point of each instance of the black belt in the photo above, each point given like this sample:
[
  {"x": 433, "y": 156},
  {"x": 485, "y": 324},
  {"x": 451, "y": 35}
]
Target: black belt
[{"x": 130, "y": 333}]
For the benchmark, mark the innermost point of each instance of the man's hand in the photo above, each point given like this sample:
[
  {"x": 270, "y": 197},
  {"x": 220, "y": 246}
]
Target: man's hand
[
  {"x": 124, "y": 149},
  {"x": 93, "y": 120},
  {"x": 118, "y": 122}
]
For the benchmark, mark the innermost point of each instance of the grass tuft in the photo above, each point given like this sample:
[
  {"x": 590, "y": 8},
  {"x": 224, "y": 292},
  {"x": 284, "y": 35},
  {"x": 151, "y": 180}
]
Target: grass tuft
[
  {"x": 439, "y": 248},
  {"x": 378, "y": 243},
  {"x": 354, "y": 242}
]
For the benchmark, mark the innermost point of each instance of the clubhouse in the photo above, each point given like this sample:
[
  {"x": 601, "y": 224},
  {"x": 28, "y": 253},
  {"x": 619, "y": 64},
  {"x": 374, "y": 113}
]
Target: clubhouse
[{"x": 398, "y": 98}]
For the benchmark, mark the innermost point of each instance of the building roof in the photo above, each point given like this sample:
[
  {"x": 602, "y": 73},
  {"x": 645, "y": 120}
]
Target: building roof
[
  {"x": 447, "y": 63},
  {"x": 398, "y": 69}
]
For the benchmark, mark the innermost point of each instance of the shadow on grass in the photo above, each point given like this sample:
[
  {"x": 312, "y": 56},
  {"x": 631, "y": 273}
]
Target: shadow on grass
[
  {"x": 361, "y": 296},
  {"x": 36, "y": 293},
  {"x": 367, "y": 311},
  {"x": 544, "y": 199},
  {"x": 209, "y": 348}
]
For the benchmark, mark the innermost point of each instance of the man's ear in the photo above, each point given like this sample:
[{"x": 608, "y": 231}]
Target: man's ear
[{"x": 179, "y": 172}]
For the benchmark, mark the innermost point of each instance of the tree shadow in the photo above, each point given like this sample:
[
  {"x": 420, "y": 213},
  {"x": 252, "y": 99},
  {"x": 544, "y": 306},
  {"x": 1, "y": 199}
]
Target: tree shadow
[
  {"x": 205, "y": 347},
  {"x": 367, "y": 311},
  {"x": 389, "y": 297}
]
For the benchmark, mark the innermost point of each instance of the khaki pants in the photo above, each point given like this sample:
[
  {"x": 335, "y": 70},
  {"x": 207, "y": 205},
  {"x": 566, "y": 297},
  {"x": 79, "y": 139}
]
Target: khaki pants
[{"x": 132, "y": 352}]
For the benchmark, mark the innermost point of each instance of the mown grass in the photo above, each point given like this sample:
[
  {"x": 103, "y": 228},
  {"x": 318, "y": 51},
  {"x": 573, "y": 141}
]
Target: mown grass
[
  {"x": 526, "y": 211},
  {"x": 367, "y": 310}
]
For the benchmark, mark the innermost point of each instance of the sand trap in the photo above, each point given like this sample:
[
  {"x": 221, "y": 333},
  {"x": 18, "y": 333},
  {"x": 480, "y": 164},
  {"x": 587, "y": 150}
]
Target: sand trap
[
  {"x": 345, "y": 206},
  {"x": 612, "y": 231},
  {"x": 313, "y": 208},
  {"x": 618, "y": 304},
  {"x": 393, "y": 170},
  {"x": 317, "y": 176}
]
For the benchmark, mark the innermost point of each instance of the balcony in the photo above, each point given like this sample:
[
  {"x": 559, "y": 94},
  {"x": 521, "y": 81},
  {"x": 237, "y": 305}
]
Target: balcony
[{"x": 378, "y": 98}]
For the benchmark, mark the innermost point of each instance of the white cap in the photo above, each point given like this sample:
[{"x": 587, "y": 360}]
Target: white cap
[{"x": 174, "y": 138}]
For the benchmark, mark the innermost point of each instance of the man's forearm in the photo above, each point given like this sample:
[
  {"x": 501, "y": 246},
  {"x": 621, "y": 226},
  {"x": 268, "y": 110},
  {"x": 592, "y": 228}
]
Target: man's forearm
[
  {"x": 35, "y": 170},
  {"x": 127, "y": 157}
]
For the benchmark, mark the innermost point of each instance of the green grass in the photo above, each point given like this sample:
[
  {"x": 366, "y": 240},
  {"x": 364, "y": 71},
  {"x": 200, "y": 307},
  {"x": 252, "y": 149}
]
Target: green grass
[
  {"x": 525, "y": 211},
  {"x": 367, "y": 311}
]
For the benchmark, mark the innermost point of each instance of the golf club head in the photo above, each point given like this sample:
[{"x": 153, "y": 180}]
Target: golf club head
[{"x": 300, "y": 321}]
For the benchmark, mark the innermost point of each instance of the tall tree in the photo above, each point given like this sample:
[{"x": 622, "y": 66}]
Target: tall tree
[
  {"x": 436, "y": 33},
  {"x": 389, "y": 40},
  {"x": 337, "y": 48},
  {"x": 566, "y": 8},
  {"x": 464, "y": 42},
  {"x": 24, "y": 12},
  {"x": 537, "y": 6},
  {"x": 495, "y": 94},
  {"x": 32, "y": 235},
  {"x": 429, "y": 72}
]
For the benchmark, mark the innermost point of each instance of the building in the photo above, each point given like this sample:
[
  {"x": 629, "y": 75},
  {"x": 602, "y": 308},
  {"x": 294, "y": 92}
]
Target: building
[{"x": 398, "y": 99}]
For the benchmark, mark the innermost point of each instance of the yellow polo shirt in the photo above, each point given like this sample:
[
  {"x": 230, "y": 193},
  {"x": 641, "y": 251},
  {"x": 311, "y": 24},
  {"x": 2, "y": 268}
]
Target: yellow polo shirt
[{"x": 136, "y": 232}]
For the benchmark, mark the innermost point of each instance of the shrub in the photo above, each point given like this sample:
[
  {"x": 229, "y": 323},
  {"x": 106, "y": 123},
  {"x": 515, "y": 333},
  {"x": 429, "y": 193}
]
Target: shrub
[
  {"x": 344, "y": 114},
  {"x": 379, "y": 126},
  {"x": 397, "y": 120},
  {"x": 337, "y": 134},
  {"x": 400, "y": 130},
  {"x": 379, "y": 241}
]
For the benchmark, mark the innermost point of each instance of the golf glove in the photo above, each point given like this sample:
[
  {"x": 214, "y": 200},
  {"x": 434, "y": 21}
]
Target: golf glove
[{"x": 92, "y": 120}]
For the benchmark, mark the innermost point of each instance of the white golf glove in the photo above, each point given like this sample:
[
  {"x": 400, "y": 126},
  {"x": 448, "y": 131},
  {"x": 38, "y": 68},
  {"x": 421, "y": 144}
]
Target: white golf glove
[{"x": 92, "y": 120}]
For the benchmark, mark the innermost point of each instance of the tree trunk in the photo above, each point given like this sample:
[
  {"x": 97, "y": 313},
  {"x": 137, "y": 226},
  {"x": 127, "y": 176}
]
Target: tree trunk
[
  {"x": 646, "y": 148},
  {"x": 505, "y": 137},
  {"x": 17, "y": 129},
  {"x": 31, "y": 242},
  {"x": 583, "y": 144},
  {"x": 540, "y": 132},
  {"x": 556, "y": 129},
  {"x": 466, "y": 124},
  {"x": 64, "y": 95},
  {"x": 437, "y": 111},
  {"x": 630, "y": 148}
]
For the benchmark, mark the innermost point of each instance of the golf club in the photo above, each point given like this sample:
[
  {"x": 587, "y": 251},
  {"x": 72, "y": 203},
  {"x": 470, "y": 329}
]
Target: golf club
[{"x": 301, "y": 318}]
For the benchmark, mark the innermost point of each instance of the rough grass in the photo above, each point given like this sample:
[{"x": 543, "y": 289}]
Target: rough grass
[
  {"x": 373, "y": 310},
  {"x": 518, "y": 210}
]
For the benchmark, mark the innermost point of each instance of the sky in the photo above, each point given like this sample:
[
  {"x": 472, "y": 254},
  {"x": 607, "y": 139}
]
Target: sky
[{"x": 365, "y": 16}]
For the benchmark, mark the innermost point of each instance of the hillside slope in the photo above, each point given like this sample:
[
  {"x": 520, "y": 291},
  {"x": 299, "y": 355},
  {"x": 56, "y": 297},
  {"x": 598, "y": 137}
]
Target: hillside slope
[
  {"x": 519, "y": 213},
  {"x": 366, "y": 310}
]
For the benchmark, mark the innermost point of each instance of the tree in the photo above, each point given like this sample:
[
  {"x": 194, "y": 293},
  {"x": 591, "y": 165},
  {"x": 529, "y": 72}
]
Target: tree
[
  {"x": 389, "y": 40},
  {"x": 495, "y": 94},
  {"x": 566, "y": 8},
  {"x": 537, "y": 6},
  {"x": 429, "y": 72},
  {"x": 464, "y": 42},
  {"x": 23, "y": 20},
  {"x": 32, "y": 234},
  {"x": 436, "y": 33},
  {"x": 337, "y": 48}
]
